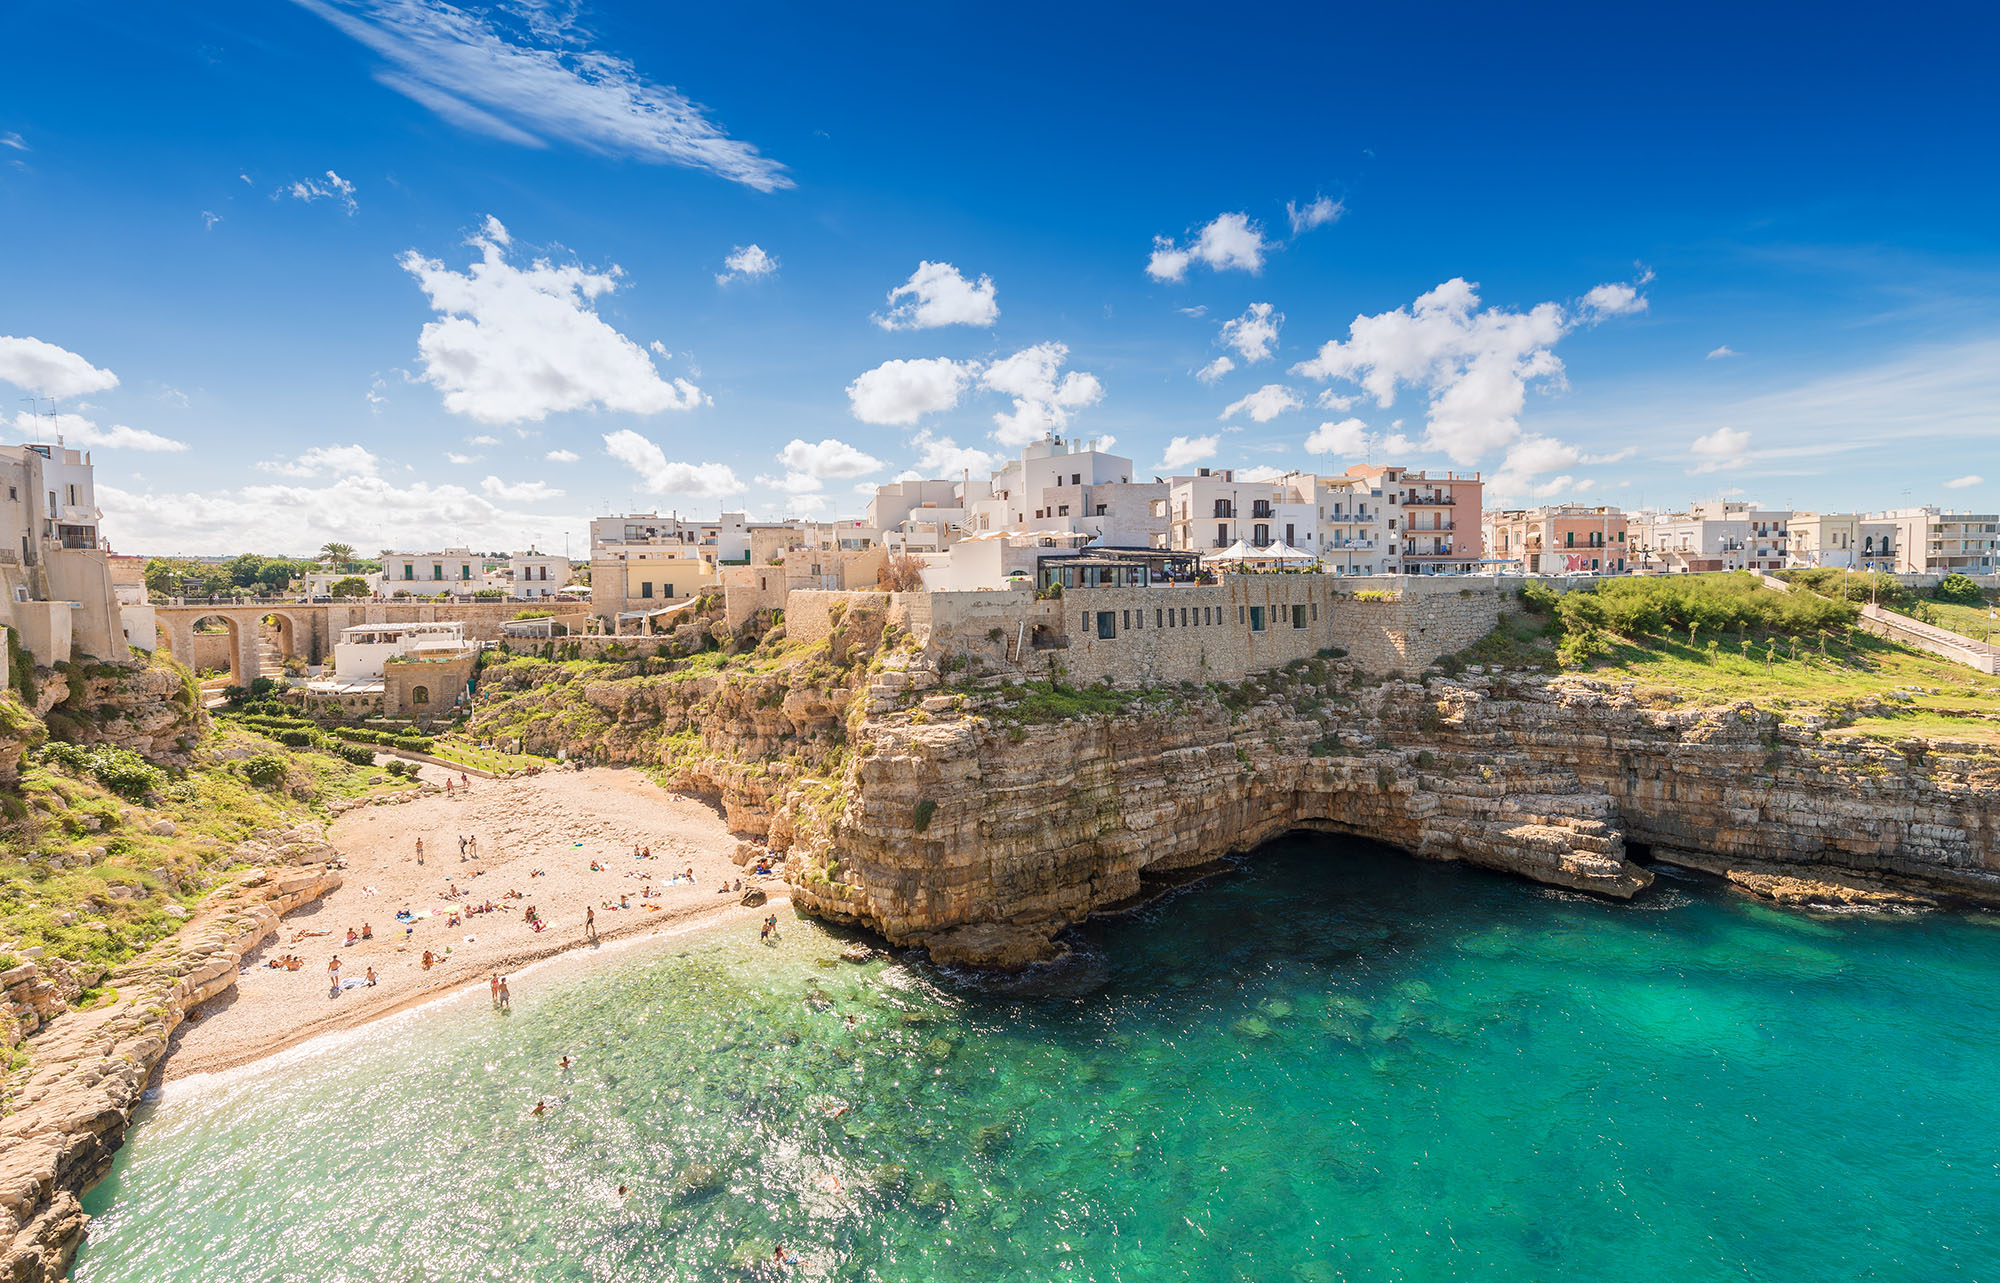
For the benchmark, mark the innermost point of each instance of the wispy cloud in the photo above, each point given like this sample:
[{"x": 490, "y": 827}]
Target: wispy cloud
[
  {"x": 1965, "y": 482},
  {"x": 333, "y": 187},
  {"x": 1720, "y": 353},
  {"x": 540, "y": 83},
  {"x": 14, "y": 140}
]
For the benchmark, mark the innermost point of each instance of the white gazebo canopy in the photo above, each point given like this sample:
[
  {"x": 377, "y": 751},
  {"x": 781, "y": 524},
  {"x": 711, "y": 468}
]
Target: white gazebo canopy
[
  {"x": 1238, "y": 551},
  {"x": 1282, "y": 551}
]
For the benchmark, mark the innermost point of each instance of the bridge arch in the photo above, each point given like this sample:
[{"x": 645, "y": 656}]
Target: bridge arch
[{"x": 242, "y": 666}]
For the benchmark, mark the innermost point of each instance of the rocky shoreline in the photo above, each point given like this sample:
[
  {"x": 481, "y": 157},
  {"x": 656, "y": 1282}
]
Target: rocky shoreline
[{"x": 71, "y": 1104}]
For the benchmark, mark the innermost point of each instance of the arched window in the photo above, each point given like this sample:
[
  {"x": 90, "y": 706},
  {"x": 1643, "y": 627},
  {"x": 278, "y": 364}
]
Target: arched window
[{"x": 420, "y": 694}]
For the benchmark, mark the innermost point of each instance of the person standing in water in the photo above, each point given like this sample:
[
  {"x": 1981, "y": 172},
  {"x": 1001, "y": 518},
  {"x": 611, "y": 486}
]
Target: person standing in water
[
  {"x": 506, "y": 999},
  {"x": 493, "y": 987},
  {"x": 589, "y": 923}
]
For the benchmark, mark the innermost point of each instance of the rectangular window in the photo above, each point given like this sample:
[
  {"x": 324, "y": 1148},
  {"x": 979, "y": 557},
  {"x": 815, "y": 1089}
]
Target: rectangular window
[
  {"x": 409, "y": 570},
  {"x": 646, "y": 588},
  {"x": 1256, "y": 619},
  {"x": 1086, "y": 621},
  {"x": 465, "y": 572},
  {"x": 437, "y": 570},
  {"x": 1063, "y": 510},
  {"x": 1315, "y": 612},
  {"x": 1128, "y": 618},
  {"x": 1158, "y": 622},
  {"x": 1107, "y": 624},
  {"x": 1221, "y": 535},
  {"x": 1076, "y": 478},
  {"x": 668, "y": 591},
  {"x": 1239, "y": 614},
  {"x": 1298, "y": 616},
  {"x": 1184, "y": 622}
]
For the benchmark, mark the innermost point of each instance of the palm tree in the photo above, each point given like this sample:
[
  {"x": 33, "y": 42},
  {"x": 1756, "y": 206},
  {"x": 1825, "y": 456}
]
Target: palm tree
[{"x": 340, "y": 554}]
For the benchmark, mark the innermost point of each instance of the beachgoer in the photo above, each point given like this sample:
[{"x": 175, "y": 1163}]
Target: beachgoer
[
  {"x": 367, "y": 932},
  {"x": 420, "y": 850},
  {"x": 371, "y": 977},
  {"x": 564, "y": 1064},
  {"x": 506, "y": 999},
  {"x": 540, "y": 1108},
  {"x": 449, "y": 787},
  {"x": 493, "y": 987},
  {"x": 590, "y": 922},
  {"x": 463, "y": 782},
  {"x": 461, "y": 846},
  {"x": 621, "y": 1191},
  {"x": 353, "y": 937},
  {"x": 765, "y": 933}
]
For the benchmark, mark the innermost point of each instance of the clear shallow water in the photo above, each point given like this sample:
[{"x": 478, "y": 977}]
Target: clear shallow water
[{"x": 1339, "y": 1063}]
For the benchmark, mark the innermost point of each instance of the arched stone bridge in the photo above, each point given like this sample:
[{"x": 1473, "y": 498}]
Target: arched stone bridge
[{"x": 309, "y": 629}]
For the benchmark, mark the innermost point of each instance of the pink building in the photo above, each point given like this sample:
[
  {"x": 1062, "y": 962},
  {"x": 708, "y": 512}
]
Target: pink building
[
  {"x": 1564, "y": 539},
  {"x": 1433, "y": 521}
]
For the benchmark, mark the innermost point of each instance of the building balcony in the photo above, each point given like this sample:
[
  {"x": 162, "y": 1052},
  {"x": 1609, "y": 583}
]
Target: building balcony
[{"x": 1428, "y": 501}]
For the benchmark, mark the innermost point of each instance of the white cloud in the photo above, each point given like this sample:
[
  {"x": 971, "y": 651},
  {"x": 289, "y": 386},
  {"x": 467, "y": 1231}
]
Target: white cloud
[
  {"x": 1349, "y": 437},
  {"x": 660, "y": 476},
  {"x": 1254, "y": 334},
  {"x": 458, "y": 64},
  {"x": 829, "y": 458},
  {"x": 1198, "y": 310},
  {"x": 1475, "y": 364},
  {"x": 1215, "y": 369},
  {"x": 335, "y": 460},
  {"x": 1321, "y": 211},
  {"x": 44, "y": 368},
  {"x": 1182, "y": 452},
  {"x": 943, "y": 457},
  {"x": 1262, "y": 472},
  {"x": 333, "y": 188},
  {"x": 1615, "y": 298},
  {"x": 1395, "y": 444},
  {"x": 1328, "y": 399},
  {"x": 1719, "y": 353},
  {"x": 1722, "y": 448},
  {"x": 453, "y": 456},
  {"x": 746, "y": 262},
  {"x": 361, "y": 508},
  {"x": 793, "y": 483},
  {"x": 209, "y": 218},
  {"x": 905, "y": 391},
  {"x": 561, "y": 456},
  {"x": 1042, "y": 402},
  {"x": 937, "y": 294},
  {"x": 77, "y": 431},
  {"x": 520, "y": 343},
  {"x": 518, "y": 492},
  {"x": 1230, "y": 241},
  {"x": 482, "y": 439},
  {"x": 1534, "y": 456},
  {"x": 1964, "y": 482},
  {"x": 1265, "y": 404},
  {"x": 14, "y": 140}
]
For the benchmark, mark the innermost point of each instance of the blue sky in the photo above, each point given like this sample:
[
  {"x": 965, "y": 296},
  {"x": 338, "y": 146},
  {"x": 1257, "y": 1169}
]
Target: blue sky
[{"x": 1617, "y": 258}]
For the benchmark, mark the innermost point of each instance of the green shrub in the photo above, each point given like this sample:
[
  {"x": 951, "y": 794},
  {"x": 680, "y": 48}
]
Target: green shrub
[
  {"x": 118, "y": 769},
  {"x": 1959, "y": 590},
  {"x": 413, "y": 743},
  {"x": 297, "y": 738},
  {"x": 356, "y": 754},
  {"x": 925, "y": 810},
  {"x": 266, "y": 770}
]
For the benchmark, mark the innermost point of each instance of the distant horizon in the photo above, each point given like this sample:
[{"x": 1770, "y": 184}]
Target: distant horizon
[{"x": 405, "y": 273}]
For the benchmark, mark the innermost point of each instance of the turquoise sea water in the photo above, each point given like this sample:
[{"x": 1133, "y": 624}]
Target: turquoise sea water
[{"x": 1336, "y": 1063}]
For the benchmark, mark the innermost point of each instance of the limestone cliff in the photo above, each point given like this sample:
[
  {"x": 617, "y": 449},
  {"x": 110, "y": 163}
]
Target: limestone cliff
[
  {"x": 977, "y": 817},
  {"x": 980, "y": 837}
]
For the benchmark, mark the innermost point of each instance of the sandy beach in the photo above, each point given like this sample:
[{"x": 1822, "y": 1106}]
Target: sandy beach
[{"x": 537, "y": 835}]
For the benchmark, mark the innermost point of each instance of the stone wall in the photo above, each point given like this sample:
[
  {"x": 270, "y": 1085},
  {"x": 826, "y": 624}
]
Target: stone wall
[{"x": 1409, "y": 633}]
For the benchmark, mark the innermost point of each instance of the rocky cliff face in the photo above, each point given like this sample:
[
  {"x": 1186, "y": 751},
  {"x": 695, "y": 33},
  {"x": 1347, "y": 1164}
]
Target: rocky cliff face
[
  {"x": 976, "y": 822},
  {"x": 981, "y": 838},
  {"x": 151, "y": 709},
  {"x": 68, "y": 1109}
]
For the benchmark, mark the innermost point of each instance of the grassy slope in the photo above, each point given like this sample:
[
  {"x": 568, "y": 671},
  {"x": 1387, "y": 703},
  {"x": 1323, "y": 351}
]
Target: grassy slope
[
  {"x": 212, "y": 807},
  {"x": 1933, "y": 697}
]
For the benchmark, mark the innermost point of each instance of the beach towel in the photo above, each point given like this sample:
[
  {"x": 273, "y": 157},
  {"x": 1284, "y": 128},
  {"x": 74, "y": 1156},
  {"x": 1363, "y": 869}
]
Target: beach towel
[
  {"x": 369, "y": 891},
  {"x": 349, "y": 984}
]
